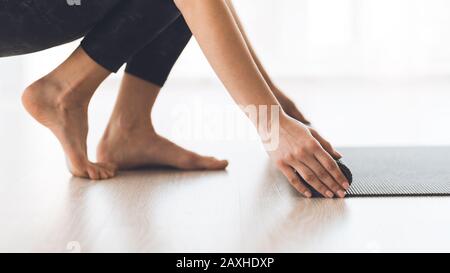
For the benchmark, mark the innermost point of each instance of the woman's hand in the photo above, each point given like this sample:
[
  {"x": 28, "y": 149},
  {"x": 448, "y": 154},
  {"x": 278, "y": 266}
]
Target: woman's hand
[
  {"x": 299, "y": 148},
  {"x": 302, "y": 151}
]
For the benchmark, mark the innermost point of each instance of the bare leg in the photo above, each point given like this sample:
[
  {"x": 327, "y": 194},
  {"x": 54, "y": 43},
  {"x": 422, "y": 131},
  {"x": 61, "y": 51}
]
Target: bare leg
[
  {"x": 130, "y": 140},
  {"x": 300, "y": 149},
  {"x": 60, "y": 102},
  {"x": 288, "y": 105}
]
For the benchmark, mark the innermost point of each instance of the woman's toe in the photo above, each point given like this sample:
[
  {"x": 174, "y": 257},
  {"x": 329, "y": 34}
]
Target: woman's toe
[
  {"x": 104, "y": 174},
  {"x": 211, "y": 163},
  {"x": 109, "y": 168},
  {"x": 93, "y": 172}
]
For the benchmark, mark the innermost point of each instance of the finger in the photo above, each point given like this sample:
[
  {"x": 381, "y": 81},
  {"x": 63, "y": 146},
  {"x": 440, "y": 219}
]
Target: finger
[
  {"x": 333, "y": 168},
  {"x": 325, "y": 177},
  {"x": 295, "y": 181},
  {"x": 326, "y": 145},
  {"x": 310, "y": 177}
]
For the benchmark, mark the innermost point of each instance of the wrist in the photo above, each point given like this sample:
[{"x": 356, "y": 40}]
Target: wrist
[
  {"x": 285, "y": 122},
  {"x": 271, "y": 121}
]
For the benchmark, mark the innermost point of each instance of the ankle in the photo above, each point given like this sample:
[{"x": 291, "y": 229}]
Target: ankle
[
  {"x": 64, "y": 95},
  {"x": 129, "y": 124},
  {"x": 69, "y": 99}
]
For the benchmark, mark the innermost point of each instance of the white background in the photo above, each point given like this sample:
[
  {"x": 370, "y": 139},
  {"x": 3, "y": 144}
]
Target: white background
[{"x": 311, "y": 38}]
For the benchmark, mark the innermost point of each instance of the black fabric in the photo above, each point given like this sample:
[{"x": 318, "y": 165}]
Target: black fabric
[
  {"x": 155, "y": 62},
  {"x": 32, "y": 25},
  {"x": 127, "y": 29},
  {"x": 149, "y": 34}
]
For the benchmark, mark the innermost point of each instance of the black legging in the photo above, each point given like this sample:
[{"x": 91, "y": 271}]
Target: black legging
[{"x": 147, "y": 35}]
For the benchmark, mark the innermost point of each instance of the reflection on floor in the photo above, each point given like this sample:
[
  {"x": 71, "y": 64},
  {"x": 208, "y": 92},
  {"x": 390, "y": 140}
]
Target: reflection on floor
[{"x": 247, "y": 208}]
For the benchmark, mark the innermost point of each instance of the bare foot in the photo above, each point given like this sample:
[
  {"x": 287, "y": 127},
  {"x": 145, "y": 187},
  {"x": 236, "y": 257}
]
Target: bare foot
[
  {"x": 56, "y": 107},
  {"x": 142, "y": 147}
]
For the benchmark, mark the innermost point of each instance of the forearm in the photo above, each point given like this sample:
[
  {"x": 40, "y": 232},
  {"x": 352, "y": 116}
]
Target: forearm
[
  {"x": 258, "y": 62},
  {"x": 224, "y": 46}
]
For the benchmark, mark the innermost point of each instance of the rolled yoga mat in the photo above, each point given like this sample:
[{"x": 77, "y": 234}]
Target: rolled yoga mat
[{"x": 398, "y": 171}]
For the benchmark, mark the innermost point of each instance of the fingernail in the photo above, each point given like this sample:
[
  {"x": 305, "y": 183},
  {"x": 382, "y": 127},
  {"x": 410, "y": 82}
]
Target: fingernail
[
  {"x": 339, "y": 154},
  {"x": 329, "y": 194},
  {"x": 307, "y": 194},
  {"x": 346, "y": 185},
  {"x": 341, "y": 194}
]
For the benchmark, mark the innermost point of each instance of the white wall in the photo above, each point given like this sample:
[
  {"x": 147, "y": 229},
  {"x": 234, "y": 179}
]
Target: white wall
[
  {"x": 315, "y": 38},
  {"x": 318, "y": 38}
]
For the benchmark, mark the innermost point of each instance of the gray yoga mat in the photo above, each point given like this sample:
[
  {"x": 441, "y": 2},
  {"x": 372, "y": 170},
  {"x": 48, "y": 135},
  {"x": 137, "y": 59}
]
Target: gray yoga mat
[{"x": 394, "y": 171}]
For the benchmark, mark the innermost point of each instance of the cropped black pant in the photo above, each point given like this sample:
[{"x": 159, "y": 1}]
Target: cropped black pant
[{"x": 146, "y": 35}]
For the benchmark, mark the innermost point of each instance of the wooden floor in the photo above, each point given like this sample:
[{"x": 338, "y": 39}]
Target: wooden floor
[{"x": 249, "y": 207}]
